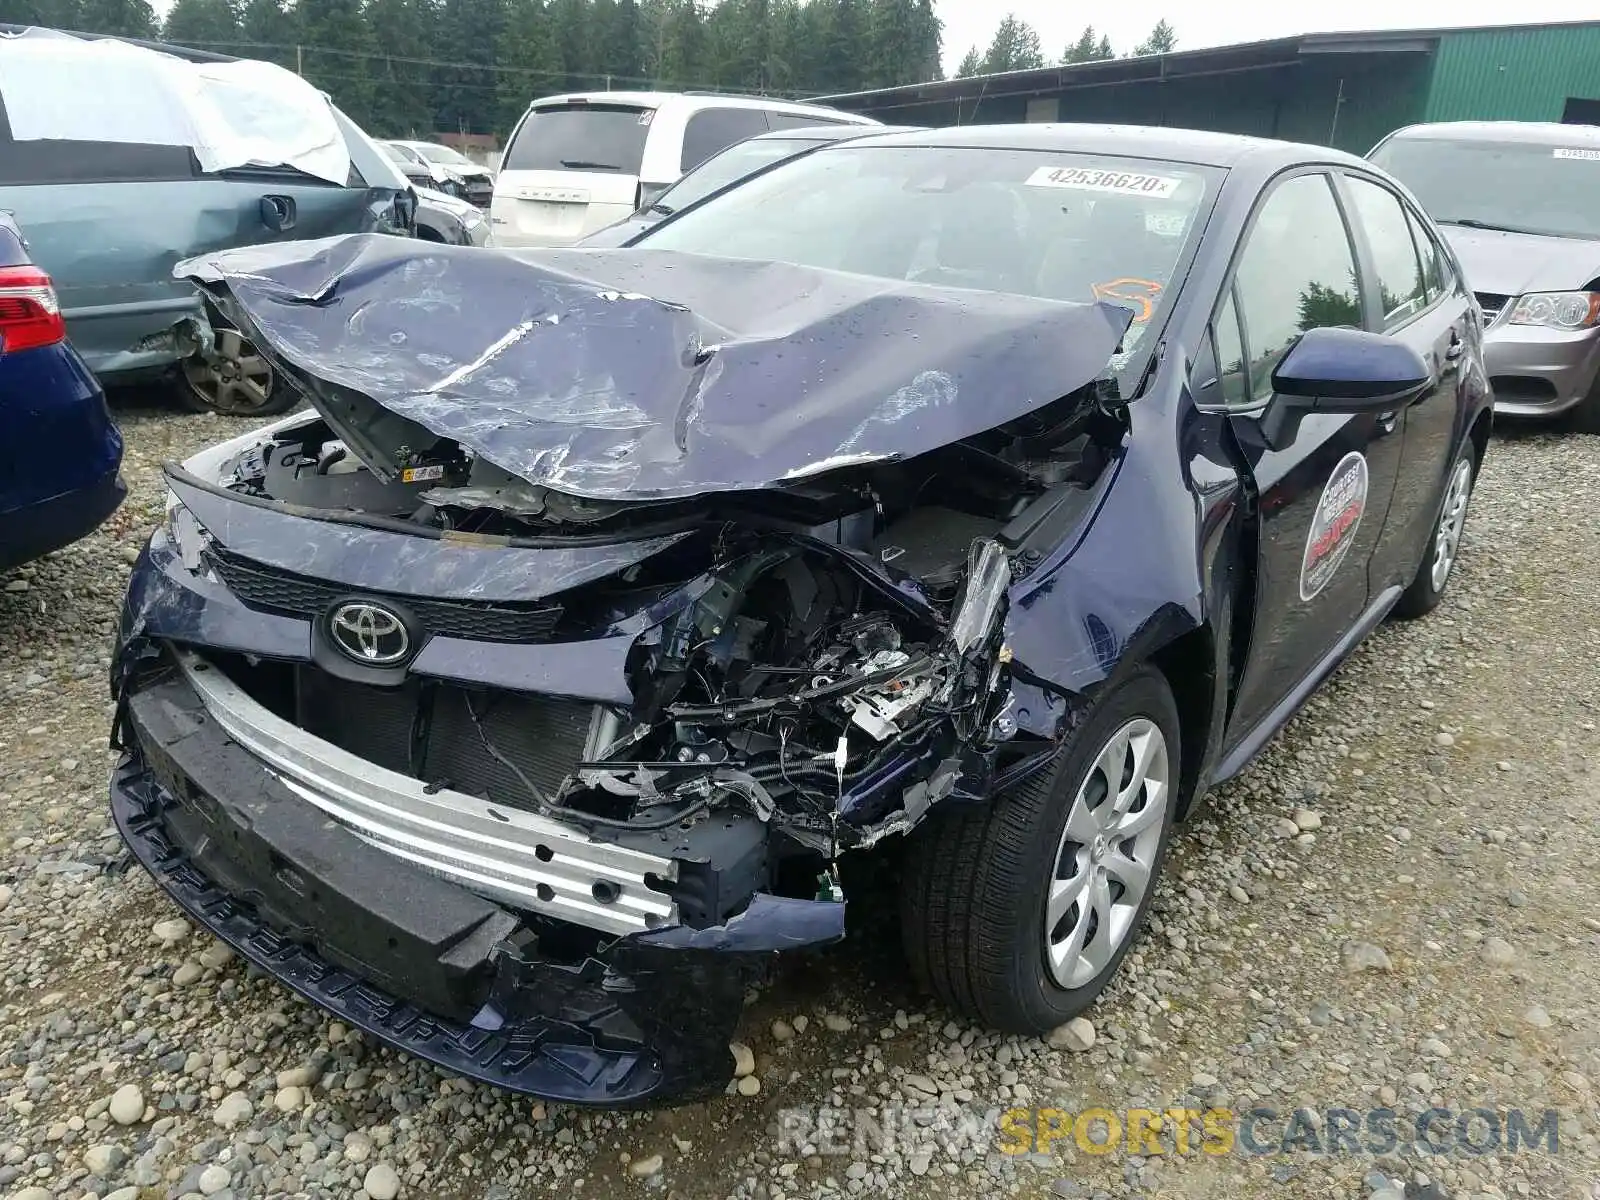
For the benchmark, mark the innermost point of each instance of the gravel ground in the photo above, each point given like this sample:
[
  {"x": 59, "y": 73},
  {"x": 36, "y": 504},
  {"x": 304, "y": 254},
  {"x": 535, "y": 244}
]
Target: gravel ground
[{"x": 1395, "y": 906}]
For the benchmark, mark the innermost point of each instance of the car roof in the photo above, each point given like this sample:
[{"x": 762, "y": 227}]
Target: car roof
[
  {"x": 828, "y": 133},
  {"x": 1196, "y": 146},
  {"x": 1533, "y": 133},
  {"x": 699, "y": 100}
]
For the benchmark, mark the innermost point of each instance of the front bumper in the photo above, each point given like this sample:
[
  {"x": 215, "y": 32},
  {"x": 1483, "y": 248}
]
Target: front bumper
[
  {"x": 414, "y": 958},
  {"x": 1537, "y": 372}
]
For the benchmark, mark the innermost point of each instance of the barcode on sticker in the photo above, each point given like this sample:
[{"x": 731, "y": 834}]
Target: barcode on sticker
[
  {"x": 421, "y": 474},
  {"x": 1093, "y": 179},
  {"x": 1585, "y": 155}
]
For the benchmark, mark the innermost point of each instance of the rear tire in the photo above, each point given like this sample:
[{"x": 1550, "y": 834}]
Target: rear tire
[
  {"x": 976, "y": 887},
  {"x": 1444, "y": 547},
  {"x": 236, "y": 382}
]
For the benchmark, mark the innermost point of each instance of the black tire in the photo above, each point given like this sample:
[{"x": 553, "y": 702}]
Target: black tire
[
  {"x": 1423, "y": 595},
  {"x": 973, "y": 892}
]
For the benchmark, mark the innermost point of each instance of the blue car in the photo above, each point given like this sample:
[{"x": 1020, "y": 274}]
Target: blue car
[
  {"x": 60, "y": 452},
  {"x": 985, "y": 493}
]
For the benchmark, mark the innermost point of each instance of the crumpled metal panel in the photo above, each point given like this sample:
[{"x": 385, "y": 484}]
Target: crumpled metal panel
[{"x": 643, "y": 374}]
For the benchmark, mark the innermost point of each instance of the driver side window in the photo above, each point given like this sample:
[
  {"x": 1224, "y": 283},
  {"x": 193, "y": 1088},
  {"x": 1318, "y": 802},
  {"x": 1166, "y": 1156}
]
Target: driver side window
[{"x": 1297, "y": 272}]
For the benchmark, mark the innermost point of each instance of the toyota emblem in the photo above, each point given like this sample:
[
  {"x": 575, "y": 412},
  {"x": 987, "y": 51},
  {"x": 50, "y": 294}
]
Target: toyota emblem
[{"x": 369, "y": 634}]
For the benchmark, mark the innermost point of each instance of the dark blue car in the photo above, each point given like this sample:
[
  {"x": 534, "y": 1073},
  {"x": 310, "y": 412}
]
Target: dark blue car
[
  {"x": 986, "y": 493},
  {"x": 60, "y": 452}
]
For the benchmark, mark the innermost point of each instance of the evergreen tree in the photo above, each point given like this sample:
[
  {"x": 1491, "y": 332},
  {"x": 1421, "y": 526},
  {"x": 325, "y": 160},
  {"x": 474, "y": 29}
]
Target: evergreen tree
[
  {"x": 892, "y": 51},
  {"x": 270, "y": 32},
  {"x": 528, "y": 44},
  {"x": 928, "y": 44},
  {"x": 403, "y": 31},
  {"x": 572, "y": 28},
  {"x": 124, "y": 18},
  {"x": 338, "y": 55},
  {"x": 971, "y": 64},
  {"x": 55, "y": 14},
  {"x": 208, "y": 24},
  {"x": 467, "y": 97},
  {"x": 684, "y": 48},
  {"x": 1015, "y": 47},
  {"x": 1087, "y": 48},
  {"x": 1162, "y": 40}
]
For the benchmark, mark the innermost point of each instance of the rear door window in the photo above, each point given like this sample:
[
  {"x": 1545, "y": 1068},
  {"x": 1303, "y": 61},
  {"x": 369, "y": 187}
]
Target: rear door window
[
  {"x": 1434, "y": 271},
  {"x": 714, "y": 129},
  {"x": 581, "y": 137}
]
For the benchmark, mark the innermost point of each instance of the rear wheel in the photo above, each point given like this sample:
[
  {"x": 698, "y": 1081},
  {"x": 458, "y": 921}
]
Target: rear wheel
[
  {"x": 236, "y": 381},
  {"x": 1019, "y": 914},
  {"x": 1439, "y": 560}
]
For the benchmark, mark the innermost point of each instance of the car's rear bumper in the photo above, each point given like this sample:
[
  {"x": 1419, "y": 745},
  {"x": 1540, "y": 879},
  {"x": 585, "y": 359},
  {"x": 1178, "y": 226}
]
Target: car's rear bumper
[
  {"x": 35, "y": 529},
  {"x": 417, "y": 960}
]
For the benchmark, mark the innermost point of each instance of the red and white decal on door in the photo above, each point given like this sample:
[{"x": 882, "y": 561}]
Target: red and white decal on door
[{"x": 1334, "y": 524}]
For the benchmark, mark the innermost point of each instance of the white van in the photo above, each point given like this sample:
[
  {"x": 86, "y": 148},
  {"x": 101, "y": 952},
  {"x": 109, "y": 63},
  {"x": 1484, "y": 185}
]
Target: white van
[{"x": 576, "y": 163}]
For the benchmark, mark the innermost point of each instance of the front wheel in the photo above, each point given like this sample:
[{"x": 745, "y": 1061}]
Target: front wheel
[
  {"x": 1019, "y": 914},
  {"x": 1433, "y": 574}
]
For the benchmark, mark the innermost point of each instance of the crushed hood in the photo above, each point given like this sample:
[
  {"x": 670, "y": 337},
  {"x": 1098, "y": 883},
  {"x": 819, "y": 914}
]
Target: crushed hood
[{"x": 629, "y": 374}]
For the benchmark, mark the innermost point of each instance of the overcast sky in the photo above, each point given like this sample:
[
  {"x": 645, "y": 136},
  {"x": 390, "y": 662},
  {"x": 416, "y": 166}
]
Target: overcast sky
[{"x": 1201, "y": 23}]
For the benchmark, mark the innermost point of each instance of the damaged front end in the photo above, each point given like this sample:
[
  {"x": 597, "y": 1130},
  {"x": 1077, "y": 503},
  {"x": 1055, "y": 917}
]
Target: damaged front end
[{"x": 529, "y": 780}]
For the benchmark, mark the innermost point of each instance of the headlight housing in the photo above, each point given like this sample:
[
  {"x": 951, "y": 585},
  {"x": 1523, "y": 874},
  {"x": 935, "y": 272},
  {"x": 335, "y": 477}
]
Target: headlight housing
[{"x": 1570, "y": 311}]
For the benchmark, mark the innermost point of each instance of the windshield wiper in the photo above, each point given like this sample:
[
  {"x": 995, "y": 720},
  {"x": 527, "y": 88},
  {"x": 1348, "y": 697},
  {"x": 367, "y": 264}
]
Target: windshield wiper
[
  {"x": 583, "y": 164},
  {"x": 1493, "y": 227}
]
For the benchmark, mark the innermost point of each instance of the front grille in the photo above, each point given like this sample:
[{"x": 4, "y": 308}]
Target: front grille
[
  {"x": 427, "y": 732},
  {"x": 1491, "y": 305},
  {"x": 271, "y": 590}
]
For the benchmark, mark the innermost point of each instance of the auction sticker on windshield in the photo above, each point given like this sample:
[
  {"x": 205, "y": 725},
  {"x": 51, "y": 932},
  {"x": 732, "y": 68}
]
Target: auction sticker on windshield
[{"x": 1096, "y": 179}]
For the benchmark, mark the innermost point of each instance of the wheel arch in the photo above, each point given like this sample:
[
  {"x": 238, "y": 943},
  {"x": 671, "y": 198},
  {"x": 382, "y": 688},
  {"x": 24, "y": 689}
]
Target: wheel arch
[
  {"x": 1190, "y": 665},
  {"x": 1478, "y": 435}
]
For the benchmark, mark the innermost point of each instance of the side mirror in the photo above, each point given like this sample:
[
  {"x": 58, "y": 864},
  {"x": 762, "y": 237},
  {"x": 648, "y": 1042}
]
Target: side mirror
[{"x": 1332, "y": 370}]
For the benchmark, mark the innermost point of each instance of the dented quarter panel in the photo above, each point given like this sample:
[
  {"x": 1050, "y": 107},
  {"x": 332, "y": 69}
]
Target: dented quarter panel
[{"x": 624, "y": 374}]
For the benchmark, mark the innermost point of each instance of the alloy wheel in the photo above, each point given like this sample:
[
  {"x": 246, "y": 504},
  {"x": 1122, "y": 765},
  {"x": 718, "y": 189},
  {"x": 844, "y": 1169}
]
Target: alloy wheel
[
  {"x": 236, "y": 381},
  {"x": 1447, "y": 541},
  {"x": 1105, "y": 862}
]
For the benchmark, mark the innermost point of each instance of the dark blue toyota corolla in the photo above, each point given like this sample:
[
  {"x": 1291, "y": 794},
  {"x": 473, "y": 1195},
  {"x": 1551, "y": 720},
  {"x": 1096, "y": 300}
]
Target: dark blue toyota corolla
[
  {"x": 60, "y": 452},
  {"x": 990, "y": 493}
]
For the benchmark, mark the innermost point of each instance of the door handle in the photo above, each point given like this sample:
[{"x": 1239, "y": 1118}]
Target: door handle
[
  {"x": 277, "y": 213},
  {"x": 1457, "y": 346},
  {"x": 1386, "y": 421}
]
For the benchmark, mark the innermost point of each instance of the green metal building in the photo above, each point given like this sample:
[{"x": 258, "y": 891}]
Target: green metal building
[{"x": 1343, "y": 89}]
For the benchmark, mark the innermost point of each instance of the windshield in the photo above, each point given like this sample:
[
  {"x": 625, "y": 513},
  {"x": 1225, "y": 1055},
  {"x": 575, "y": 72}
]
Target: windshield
[
  {"x": 443, "y": 154},
  {"x": 732, "y": 164},
  {"x": 1054, "y": 225},
  {"x": 580, "y": 137},
  {"x": 394, "y": 153},
  {"x": 1520, "y": 187}
]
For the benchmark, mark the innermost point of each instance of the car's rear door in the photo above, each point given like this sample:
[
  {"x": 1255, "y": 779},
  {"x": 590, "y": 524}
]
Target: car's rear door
[
  {"x": 1323, "y": 492},
  {"x": 1436, "y": 320}
]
